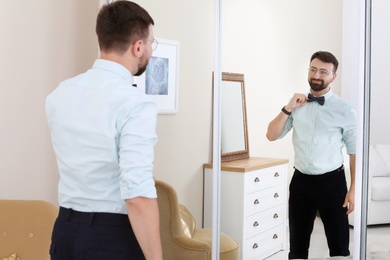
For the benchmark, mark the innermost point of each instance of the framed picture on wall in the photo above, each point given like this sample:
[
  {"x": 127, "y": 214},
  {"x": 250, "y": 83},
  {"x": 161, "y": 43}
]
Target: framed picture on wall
[{"x": 160, "y": 80}]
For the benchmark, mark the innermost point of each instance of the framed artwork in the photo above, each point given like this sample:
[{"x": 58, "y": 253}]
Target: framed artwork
[{"x": 160, "y": 80}]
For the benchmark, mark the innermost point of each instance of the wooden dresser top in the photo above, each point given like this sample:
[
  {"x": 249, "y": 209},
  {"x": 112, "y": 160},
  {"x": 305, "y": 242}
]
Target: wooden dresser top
[{"x": 247, "y": 165}]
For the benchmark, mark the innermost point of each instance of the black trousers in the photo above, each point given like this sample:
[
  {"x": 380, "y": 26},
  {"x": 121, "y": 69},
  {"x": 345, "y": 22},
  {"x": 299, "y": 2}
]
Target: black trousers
[
  {"x": 97, "y": 236},
  {"x": 324, "y": 193}
]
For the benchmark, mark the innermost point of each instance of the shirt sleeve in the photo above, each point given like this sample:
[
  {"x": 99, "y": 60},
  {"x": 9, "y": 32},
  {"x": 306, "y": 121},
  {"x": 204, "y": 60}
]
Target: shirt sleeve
[
  {"x": 349, "y": 130},
  {"x": 137, "y": 137},
  {"x": 287, "y": 127}
]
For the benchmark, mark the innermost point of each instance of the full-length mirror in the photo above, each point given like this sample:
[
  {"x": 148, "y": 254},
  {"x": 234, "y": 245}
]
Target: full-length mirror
[
  {"x": 274, "y": 63},
  {"x": 234, "y": 132}
]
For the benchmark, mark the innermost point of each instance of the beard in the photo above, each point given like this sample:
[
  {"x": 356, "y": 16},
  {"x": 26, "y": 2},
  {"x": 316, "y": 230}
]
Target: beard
[
  {"x": 142, "y": 65},
  {"x": 317, "y": 86}
]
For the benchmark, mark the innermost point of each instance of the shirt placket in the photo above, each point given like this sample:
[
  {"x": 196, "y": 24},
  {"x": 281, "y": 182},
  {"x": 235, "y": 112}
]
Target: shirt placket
[{"x": 311, "y": 135}]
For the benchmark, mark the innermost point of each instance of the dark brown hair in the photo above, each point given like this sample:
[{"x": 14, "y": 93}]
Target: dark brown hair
[
  {"x": 326, "y": 57},
  {"x": 121, "y": 23}
]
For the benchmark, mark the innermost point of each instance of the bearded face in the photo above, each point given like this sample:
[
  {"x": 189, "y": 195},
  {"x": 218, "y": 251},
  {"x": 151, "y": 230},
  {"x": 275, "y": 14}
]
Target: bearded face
[
  {"x": 320, "y": 75},
  {"x": 318, "y": 84},
  {"x": 143, "y": 63}
]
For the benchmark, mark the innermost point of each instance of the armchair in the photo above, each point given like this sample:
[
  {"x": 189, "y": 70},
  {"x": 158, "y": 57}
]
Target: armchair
[
  {"x": 378, "y": 206},
  {"x": 180, "y": 237},
  {"x": 25, "y": 229}
]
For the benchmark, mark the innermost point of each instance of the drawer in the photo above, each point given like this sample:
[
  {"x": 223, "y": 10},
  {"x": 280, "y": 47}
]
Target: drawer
[
  {"x": 264, "y": 243},
  {"x": 264, "y": 221},
  {"x": 264, "y": 178},
  {"x": 264, "y": 199}
]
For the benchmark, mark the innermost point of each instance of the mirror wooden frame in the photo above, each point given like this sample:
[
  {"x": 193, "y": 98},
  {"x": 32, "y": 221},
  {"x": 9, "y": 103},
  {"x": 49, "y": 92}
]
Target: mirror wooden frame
[{"x": 239, "y": 154}]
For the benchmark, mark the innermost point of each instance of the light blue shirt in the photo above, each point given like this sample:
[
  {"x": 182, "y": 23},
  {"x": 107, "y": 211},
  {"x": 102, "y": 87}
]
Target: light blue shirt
[
  {"x": 103, "y": 135},
  {"x": 320, "y": 133}
]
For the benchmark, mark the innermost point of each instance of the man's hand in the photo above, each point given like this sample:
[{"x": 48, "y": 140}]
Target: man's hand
[
  {"x": 349, "y": 201},
  {"x": 297, "y": 100},
  {"x": 275, "y": 127}
]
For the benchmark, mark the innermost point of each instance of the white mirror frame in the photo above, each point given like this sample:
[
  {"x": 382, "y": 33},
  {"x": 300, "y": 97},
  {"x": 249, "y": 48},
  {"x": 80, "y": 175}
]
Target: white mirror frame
[{"x": 216, "y": 133}]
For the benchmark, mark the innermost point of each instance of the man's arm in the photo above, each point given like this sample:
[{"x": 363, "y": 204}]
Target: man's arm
[
  {"x": 275, "y": 127},
  {"x": 350, "y": 197},
  {"x": 144, "y": 218}
]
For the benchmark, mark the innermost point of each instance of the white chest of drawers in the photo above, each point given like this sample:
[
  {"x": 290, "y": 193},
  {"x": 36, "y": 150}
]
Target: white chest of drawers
[{"x": 253, "y": 204}]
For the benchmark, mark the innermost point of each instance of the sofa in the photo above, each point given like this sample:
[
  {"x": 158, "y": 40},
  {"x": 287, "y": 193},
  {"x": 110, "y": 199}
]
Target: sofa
[
  {"x": 379, "y": 185},
  {"x": 25, "y": 229}
]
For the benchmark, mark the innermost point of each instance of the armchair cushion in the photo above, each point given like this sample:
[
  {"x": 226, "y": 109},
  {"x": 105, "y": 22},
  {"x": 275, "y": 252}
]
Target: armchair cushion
[
  {"x": 380, "y": 188},
  {"x": 11, "y": 257},
  {"x": 377, "y": 166},
  {"x": 187, "y": 221}
]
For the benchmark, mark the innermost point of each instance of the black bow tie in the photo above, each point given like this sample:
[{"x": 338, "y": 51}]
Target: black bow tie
[{"x": 320, "y": 100}]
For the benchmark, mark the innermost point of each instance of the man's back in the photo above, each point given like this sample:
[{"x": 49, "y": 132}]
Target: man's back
[{"x": 89, "y": 116}]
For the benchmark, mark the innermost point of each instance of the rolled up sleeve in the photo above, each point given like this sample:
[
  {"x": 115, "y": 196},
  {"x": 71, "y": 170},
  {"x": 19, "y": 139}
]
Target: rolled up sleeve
[
  {"x": 137, "y": 137},
  {"x": 349, "y": 131}
]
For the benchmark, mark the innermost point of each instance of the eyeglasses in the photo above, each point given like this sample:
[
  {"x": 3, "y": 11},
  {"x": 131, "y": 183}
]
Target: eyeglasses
[
  {"x": 154, "y": 43},
  {"x": 321, "y": 72}
]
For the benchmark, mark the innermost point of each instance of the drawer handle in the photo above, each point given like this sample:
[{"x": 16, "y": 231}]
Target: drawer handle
[
  {"x": 276, "y": 195},
  {"x": 257, "y": 180},
  {"x": 276, "y": 174},
  {"x": 256, "y": 224},
  {"x": 256, "y": 202},
  {"x": 276, "y": 215},
  {"x": 255, "y": 245},
  {"x": 275, "y": 236}
]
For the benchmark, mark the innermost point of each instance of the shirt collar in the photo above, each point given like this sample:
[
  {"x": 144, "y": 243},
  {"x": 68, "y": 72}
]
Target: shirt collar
[
  {"x": 327, "y": 95},
  {"x": 113, "y": 67}
]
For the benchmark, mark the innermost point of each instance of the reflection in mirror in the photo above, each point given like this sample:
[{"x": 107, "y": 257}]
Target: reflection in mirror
[
  {"x": 378, "y": 204},
  {"x": 234, "y": 133}
]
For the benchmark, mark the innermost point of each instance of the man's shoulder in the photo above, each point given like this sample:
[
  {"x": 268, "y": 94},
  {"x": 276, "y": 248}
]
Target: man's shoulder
[{"x": 340, "y": 101}]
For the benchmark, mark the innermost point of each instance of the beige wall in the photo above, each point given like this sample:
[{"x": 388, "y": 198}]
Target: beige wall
[
  {"x": 42, "y": 43},
  {"x": 184, "y": 143},
  {"x": 46, "y": 41}
]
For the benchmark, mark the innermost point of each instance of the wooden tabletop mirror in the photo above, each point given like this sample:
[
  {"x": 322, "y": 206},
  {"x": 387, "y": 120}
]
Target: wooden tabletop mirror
[{"x": 234, "y": 131}]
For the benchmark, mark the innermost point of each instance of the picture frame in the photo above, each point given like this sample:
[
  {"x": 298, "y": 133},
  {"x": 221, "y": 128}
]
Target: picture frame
[{"x": 160, "y": 80}]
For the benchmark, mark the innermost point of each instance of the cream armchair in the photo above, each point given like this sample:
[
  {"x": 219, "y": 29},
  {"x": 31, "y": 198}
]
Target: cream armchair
[
  {"x": 379, "y": 186},
  {"x": 25, "y": 229},
  {"x": 180, "y": 237}
]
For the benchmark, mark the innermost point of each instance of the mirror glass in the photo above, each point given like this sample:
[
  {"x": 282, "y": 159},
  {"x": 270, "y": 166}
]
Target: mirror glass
[
  {"x": 236, "y": 23},
  {"x": 234, "y": 133},
  {"x": 378, "y": 214}
]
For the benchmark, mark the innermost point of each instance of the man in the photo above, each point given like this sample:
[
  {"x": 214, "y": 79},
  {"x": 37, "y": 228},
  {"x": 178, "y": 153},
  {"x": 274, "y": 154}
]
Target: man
[
  {"x": 323, "y": 124},
  {"x": 103, "y": 135}
]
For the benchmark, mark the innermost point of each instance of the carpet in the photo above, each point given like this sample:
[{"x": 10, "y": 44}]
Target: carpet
[{"x": 380, "y": 255}]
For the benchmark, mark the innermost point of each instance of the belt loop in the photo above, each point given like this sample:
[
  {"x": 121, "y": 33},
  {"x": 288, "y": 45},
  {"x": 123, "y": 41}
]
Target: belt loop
[
  {"x": 69, "y": 214},
  {"x": 91, "y": 218}
]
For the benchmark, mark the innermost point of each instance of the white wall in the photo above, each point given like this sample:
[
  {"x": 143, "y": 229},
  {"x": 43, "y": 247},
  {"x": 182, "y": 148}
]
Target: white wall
[
  {"x": 380, "y": 82},
  {"x": 271, "y": 42},
  {"x": 380, "y": 62}
]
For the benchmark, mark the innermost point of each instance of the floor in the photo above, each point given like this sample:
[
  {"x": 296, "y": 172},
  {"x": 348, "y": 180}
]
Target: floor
[{"x": 378, "y": 240}]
